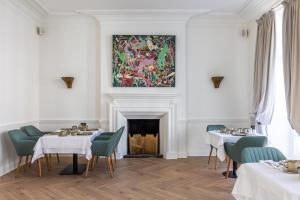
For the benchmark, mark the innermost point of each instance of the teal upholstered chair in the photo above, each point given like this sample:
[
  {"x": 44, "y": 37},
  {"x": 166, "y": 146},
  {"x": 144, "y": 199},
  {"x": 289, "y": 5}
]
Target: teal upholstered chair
[
  {"x": 106, "y": 136},
  {"x": 234, "y": 151},
  {"x": 256, "y": 154},
  {"x": 24, "y": 147},
  {"x": 105, "y": 147},
  {"x": 34, "y": 133},
  {"x": 214, "y": 128}
]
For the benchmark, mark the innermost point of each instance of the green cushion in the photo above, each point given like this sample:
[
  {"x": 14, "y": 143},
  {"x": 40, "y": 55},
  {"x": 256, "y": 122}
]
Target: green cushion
[
  {"x": 22, "y": 142},
  {"x": 234, "y": 151},
  {"x": 255, "y": 154},
  {"x": 32, "y": 131},
  {"x": 215, "y": 127}
]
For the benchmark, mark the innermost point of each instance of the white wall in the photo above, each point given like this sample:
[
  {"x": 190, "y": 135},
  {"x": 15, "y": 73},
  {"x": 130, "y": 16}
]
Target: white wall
[
  {"x": 69, "y": 48},
  {"x": 19, "y": 57},
  {"x": 165, "y": 25},
  {"x": 215, "y": 47},
  {"x": 205, "y": 47}
]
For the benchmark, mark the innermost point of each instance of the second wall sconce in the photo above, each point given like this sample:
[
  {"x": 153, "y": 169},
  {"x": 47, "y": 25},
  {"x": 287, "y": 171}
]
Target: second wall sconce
[
  {"x": 217, "y": 80},
  {"x": 68, "y": 81}
]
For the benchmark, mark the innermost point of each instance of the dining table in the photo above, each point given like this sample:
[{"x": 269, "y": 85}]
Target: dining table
[
  {"x": 260, "y": 181},
  {"x": 217, "y": 139},
  {"x": 69, "y": 144}
]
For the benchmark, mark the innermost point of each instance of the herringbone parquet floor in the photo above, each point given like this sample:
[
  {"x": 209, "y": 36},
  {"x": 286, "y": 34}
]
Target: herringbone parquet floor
[{"x": 135, "y": 179}]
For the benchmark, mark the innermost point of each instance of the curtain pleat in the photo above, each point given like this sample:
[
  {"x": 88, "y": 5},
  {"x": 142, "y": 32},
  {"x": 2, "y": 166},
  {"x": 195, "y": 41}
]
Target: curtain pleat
[
  {"x": 264, "y": 84},
  {"x": 291, "y": 60}
]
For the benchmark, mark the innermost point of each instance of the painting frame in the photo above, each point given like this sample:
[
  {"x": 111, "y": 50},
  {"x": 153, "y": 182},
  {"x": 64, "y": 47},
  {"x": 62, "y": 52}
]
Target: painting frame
[{"x": 144, "y": 61}]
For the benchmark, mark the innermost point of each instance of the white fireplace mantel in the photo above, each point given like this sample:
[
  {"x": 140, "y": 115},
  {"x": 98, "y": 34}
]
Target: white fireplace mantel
[
  {"x": 116, "y": 96},
  {"x": 125, "y": 106}
]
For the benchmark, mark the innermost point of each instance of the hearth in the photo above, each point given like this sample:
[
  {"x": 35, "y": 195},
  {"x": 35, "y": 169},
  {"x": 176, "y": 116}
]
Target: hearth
[{"x": 143, "y": 138}]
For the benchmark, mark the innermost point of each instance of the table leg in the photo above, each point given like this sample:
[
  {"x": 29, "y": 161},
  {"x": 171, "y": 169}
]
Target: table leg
[
  {"x": 75, "y": 168},
  {"x": 75, "y": 163},
  {"x": 232, "y": 174}
]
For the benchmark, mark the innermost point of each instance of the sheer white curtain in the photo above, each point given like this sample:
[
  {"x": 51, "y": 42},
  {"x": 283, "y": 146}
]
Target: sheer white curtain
[{"x": 280, "y": 133}]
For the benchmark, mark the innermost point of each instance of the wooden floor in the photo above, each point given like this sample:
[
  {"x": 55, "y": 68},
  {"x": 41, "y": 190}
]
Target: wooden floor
[{"x": 135, "y": 179}]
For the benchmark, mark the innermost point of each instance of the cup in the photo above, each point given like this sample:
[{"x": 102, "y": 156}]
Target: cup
[{"x": 292, "y": 165}]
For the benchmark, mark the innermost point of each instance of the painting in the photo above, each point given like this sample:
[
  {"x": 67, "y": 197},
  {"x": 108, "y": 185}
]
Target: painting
[{"x": 143, "y": 61}]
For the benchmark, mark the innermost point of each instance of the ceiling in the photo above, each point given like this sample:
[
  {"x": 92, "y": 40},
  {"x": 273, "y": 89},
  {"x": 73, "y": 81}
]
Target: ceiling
[{"x": 217, "y": 6}]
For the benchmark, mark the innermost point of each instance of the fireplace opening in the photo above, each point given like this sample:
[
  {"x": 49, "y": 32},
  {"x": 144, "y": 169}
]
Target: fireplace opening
[{"x": 143, "y": 138}]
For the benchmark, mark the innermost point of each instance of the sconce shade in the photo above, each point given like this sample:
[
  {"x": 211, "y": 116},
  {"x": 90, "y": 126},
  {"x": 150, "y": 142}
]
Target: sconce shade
[
  {"x": 217, "y": 80},
  {"x": 68, "y": 81}
]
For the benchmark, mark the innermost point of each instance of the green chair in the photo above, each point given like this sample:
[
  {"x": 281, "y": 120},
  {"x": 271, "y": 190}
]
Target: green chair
[
  {"x": 234, "y": 151},
  {"x": 214, "y": 128},
  {"x": 107, "y": 135},
  {"x": 256, "y": 154},
  {"x": 24, "y": 147},
  {"x": 105, "y": 147},
  {"x": 34, "y": 133}
]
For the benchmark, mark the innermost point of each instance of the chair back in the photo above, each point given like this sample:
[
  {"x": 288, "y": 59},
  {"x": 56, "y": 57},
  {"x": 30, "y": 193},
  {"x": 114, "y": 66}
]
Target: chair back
[
  {"x": 32, "y": 130},
  {"x": 215, "y": 127},
  {"x": 118, "y": 136},
  {"x": 17, "y": 137},
  {"x": 247, "y": 141},
  {"x": 256, "y": 154}
]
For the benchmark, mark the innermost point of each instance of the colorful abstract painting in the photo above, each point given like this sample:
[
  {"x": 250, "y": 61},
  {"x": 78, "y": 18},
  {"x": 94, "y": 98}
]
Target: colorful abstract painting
[{"x": 143, "y": 61}]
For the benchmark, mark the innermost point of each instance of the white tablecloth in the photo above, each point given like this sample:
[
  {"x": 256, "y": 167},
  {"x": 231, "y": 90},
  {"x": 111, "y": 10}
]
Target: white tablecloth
[
  {"x": 217, "y": 140},
  {"x": 49, "y": 144},
  {"x": 256, "y": 181}
]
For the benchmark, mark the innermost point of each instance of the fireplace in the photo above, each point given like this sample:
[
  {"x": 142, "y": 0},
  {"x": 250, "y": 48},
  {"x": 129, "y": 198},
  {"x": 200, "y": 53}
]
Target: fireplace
[{"x": 143, "y": 138}]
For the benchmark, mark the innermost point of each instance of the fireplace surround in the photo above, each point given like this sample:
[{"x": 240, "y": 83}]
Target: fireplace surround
[{"x": 124, "y": 107}]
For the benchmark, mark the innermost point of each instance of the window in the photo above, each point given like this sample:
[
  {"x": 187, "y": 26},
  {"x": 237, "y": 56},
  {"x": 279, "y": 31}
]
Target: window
[{"x": 280, "y": 133}]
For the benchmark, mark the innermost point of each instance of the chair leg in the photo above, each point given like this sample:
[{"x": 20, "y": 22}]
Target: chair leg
[
  {"x": 109, "y": 165},
  {"x": 228, "y": 166},
  {"x": 87, "y": 168},
  {"x": 50, "y": 161},
  {"x": 39, "y": 167},
  {"x": 115, "y": 157},
  {"x": 26, "y": 163},
  {"x": 29, "y": 164},
  {"x": 57, "y": 156},
  {"x": 94, "y": 161},
  {"x": 18, "y": 167},
  {"x": 209, "y": 156},
  {"x": 216, "y": 159},
  {"x": 112, "y": 163}
]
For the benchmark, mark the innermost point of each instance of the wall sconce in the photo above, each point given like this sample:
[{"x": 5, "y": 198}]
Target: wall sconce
[
  {"x": 68, "y": 81},
  {"x": 217, "y": 80}
]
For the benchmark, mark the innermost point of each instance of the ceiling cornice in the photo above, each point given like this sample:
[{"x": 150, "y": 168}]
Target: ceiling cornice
[
  {"x": 29, "y": 7},
  {"x": 256, "y": 8},
  {"x": 143, "y": 15}
]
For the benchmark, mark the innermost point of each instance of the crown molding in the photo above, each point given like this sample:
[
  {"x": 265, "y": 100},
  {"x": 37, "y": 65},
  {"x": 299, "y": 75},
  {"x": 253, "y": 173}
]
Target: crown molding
[
  {"x": 217, "y": 19},
  {"x": 28, "y": 7},
  {"x": 256, "y": 8},
  {"x": 143, "y": 14}
]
